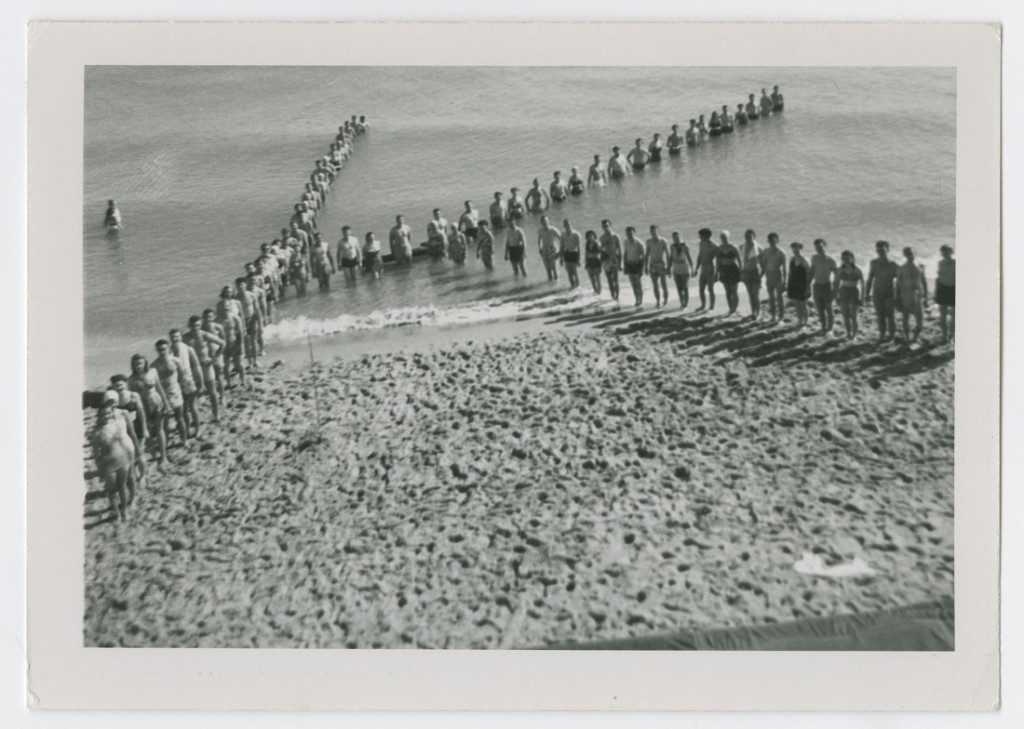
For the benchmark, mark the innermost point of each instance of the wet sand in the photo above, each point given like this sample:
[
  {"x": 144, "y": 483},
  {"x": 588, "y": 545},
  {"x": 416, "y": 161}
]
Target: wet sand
[{"x": 590, "y": 476}]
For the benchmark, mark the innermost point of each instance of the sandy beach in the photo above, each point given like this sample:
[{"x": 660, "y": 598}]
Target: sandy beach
[{"x": 581, "y": 477}]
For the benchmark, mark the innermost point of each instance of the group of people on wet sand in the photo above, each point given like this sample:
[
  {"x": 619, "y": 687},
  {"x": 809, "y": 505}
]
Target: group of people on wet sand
[{"x": 223, "y": 342}]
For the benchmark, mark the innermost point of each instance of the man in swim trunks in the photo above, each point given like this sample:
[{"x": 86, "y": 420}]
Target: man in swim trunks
[
  {"x": 911, "y": 295},
  {"x": 634, "y": 253},
  {"x": 252, "y": 320},
  {"x": 654, "y": 149},
  {"x": 726, "y": 119},
  {"x": 638, "y": 156},
  {"x": 766, "y": 104},
  {"x": 549, "y": 240},
  {"x": 373, "y": 263},
  {"x": 618, "y": 165},
  {"x": 752, "y": 113},
  {"x": 114, "y": 455},
  {"x": 498, "y": 212},
  {"x": 202, "y": 343},
  {"x": 777, "y": 100},
  {"x": 680, "y": 264},
  {"x": 752, "y": 271},
  {"x": 702, "y": 126},
  {"x": 693, "y": 135},
  {"x": 171, "y": 373},
  {"x": 824, "y": 284},
  {"x": 881, "y": 288},
  {"x": 537, "y": 199},
  {"x": 515, "y": 247},
  {"x": 774, "y": 262},
  {"x": 325, "y": 263},
  {"x": 229, "y": 316},
  {"x": 516, "y": 205},
  {"x": 597, "y": 175},
  {"x": 558, "y": 190},
  {"x": 192, "y": 381},
  {"x": 437, "y": 235},
  {"x": 611, "y": 257},
  {"x": 656, "y": 264},
  {"x": 216, "y": 331},
  {"x": 675, "y": 141},
  {"x": 576, "y": 183},
  {"x": 572, "y": 244},
  {"x": 945, "y": 294},
  {"x": 485, "y": 245},
  {"x": 400, "y": 238},
  {"x": 469, "y": 220},
  {"x": 350, "y": 253},
  {"x": 706, "y": 269}
]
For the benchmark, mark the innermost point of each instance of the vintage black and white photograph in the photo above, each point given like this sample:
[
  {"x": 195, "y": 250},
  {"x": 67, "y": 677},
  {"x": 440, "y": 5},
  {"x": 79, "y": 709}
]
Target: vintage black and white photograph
[{"x": 519, "y": 357}]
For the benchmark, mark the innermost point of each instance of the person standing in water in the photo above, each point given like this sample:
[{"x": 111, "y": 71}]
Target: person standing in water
[
  {"x": 774, "y": 262},
  {"x": 618, "y": 165},
  {"x": 516, "y": 205},
  {"x": 597, "y": 175},
  {"x": 881, "y": 288},
  {"x": 849, "y": 289},
  {"x": 693, "y": 135},
  {"x": 777, "y": 100},
  {"x": 558, "y": 190},
  {"x": 437, "y": 235},
  {"x": 823, "y": 288},
  {"x": 458, "y": 245},
  {"x": 633, "y": 255},
  {"x": 702, "y": 126},
  {"x": 191, "y": 380},
  {"x": 727, "y": 119},
  {"x": 571, "y": 245},
  {"x": 798, "y": 284},
  {"x": 741, "y": 115},
  {"x": 656, "y": 263},
  {"x": 515, "y": 247},
  {"x": 350, "y": 253},
  {"x": 706, "y": 269},
  {"x": 469, "y": 221},
  {"x": 485, "y": 245},
  {"x": 498, "y": 212},
  {"x": 373, "y": 263},
  {"x": 753, "y": 270},
  {"x": 680, "y": 264},
  {"x": 112, "y": 218},
  {"x": 945, "y": 294},
  {"x": 729, "y": 264},
  {"x": 549, "y": 240},
  {"x": 675, "y": 141},
  {"x": 592, "y": 252},
  {"x": 204, "y": 344},
  {"x": 229, "y": 316},
  {"x": 325, "y": 263},
  {"x": 654, "y": 149},
  {"x": 576, "y": 183},
  {"x": 752, "y": 112},
  {"x": 400, "y": 238},
  {"x": 911, "y": 295},
  {"x": 169, "y": 370},
  {"x": 537, "y": 199},
  {"x": 715, "y": 125},
  {"x": 611, "y": 257},
  {"x": 766, "y": 104},
  {"x": 638, "y": 156}
]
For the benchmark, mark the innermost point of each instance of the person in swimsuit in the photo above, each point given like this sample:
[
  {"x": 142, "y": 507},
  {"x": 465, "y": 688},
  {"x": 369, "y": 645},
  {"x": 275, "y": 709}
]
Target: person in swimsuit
[
  {"x": 741, "y": 115},
  {"x": 680, "y": 264},
  {"x": 298, "y": 268},
  {"x": 400, "y": 238},
  {"x": 592, "y": 252},
  {"x": 715, "y": 125},
  {"x": 252, "y": 320},
  {"x": 131, "y": 404},
  {"x": 773, "y": 260},
  {"x": 216, "y": 332},
  {"x": 911, "y": 295},
  {"x": 823, "y": 288},
  {"x": 850, "y": 285},
  {"x": 693, "y": 136},
  {"x": 114, "y": 455},
  {"x": 516, "y": 205},
  {"x": 515, "y": 247},
  {"x": 576, "y": 183},
  {"x": 611, "y": 257},
  {"x": 654, "y": 149},
  {"x": 145, "y": 382},
  {"x": 675, "y": 141},
  {"x": 727, "y": 119},
  {"x": 498, "y": 212},
  {"x": 112, "y": 217},
  {"x": 638, "y": 156},
  {"x": 325, "y": 263},
  {"x": 881, "y": 288},
  {"x": 618, "y": 165},
  {"x": 537, "y": 199},
  {"x": 229, "y": 316},
  {"x": 634, "y": 254},
  {"x": 202, "y": 344},
  {"x": 702, "y": 126},
  {"x": 458, "y": 244},
  {"x": 437, "y": 236},
  {"x": 729, "y": 270},
  {"x": 571, "y": 245},
  {"x": 777, "y": 100},
  {"x": 752, "y": 272},
  {"x": 373, "y": 263},
  {"x": 549, "y": 240},
  {"x": 798, "y": 285},
  {"x": 192, "y": 381},
  {"x": 752, "y": 113},
  {"x": 706, "y": 269},
  {"x": 945, "y": 294},
  {"x": 766, "y": 104},
  {"x": 558, "y": 189},
  {"x": 656, "y": 264},
  {"x": 597, "y": 175},
  {"x": 362, "y": 125},
  {"x": 169, "y": 370},
  {"x": 485, "y": 245}
]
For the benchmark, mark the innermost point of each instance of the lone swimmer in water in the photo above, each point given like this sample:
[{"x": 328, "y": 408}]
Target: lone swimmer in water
[{"x": 112, "y": 218}]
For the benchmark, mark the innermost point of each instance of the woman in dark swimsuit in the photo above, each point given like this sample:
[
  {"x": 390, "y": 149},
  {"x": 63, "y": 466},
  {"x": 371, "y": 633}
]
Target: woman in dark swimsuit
[
  {"x": 654, "y": 148},
  {"x": 592, "y": 259},
  {"x": 715, "y": 125},
  {"x": 741, "y": 116},
  {"x": 849, "y": 293},
  {"x": 516, "y": 206},
  {"x": 576, "y": 185},
  {"x": 726, "y": 119},
  {"x": 729, "y": 271},
  {"x": 798, "y": 284}
]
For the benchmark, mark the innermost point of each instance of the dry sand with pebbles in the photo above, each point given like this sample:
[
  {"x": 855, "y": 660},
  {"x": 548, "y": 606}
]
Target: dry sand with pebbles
[{"x": 615, "y": 474}]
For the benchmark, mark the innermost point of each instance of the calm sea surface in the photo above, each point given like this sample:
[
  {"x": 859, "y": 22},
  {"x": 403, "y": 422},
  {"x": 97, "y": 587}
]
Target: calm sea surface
[{"x": 206, "y": 163}]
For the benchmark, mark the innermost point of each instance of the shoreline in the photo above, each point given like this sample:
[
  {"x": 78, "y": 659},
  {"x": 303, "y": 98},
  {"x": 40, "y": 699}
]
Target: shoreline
[{"x": 581, "y": 476}]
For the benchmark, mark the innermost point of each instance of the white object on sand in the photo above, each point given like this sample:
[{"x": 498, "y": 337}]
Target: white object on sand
[{"x": 813, "y": 564}]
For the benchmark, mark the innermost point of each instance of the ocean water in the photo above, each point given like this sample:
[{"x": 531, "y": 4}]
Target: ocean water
[{"x": 206, "y": 163}]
